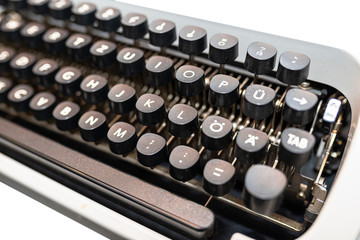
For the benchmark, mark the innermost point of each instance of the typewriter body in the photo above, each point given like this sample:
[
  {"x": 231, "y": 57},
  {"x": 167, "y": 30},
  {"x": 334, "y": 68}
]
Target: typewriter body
[{"x": 147, "y": 192}]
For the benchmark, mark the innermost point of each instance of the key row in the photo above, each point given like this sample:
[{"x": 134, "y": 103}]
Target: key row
[
  {"x": 216, "y": 131},
  {"x": 223, "y": 48},
  {"x": 259, "y": 100}
]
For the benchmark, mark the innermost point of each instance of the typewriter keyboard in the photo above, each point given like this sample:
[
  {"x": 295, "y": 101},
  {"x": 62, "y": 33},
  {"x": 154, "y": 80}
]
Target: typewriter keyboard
[{"x": 131, "y": 112}]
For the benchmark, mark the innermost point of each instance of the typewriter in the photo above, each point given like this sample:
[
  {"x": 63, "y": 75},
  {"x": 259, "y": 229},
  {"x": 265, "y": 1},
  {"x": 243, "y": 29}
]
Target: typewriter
[{"x": 187, "y": 128}]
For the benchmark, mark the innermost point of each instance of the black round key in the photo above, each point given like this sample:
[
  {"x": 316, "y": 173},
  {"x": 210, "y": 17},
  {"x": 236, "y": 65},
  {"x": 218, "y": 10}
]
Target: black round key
[
  {"x": 260, "y": 58},
  {"x": 183, "y": 120},
  {"x": 78, "y": 46},
  {"x": 19, "y": 96},
  {"x": 259, "y": 101},
  {"x": 22, "y": 65},
  {"x": 162, "y": 32},
  {"x": 216, "y": 133},
  {"x": 151, "y": 150},
  {"x": 131, "y": 61},
  {"x": 38, "y": 6},
  {"x": 190, "y": 80},
  {"x": 94, "y": 89},
  {"x": 108, "y": 19},
  {"x": 122, "y": 98},
  {"x": 42, "y": 105},
  {"x": 300, "y": 106},
  {"x": 224, "y": 90},
  {"x": 219, "y": 177},
  {"x": 93, "y": 126},
  {"x": 68, "y": 80},
  {"x": 45, "y": 70},
  {"x": 150, "y": 109},
  {"x": 192, "y": 40},
  {"x": 5, "y": 86},
  {"x": 54, "y": 40},
  {"x": 224, "y": 48},
  {"x": 122, "y": 138},
  {"x": 184, "y": 163},
  {"x": 60, "y": 9},
  {"x": 296, "y": 146},
  {"x": 293, "y": 68},
  {"x": 160, "y": 71},
  {"x": 84, "y": 13},
  {"x": 6, "y": 54},
  {"x": 263, "y": 189},
  {"x": 32, "y": 34},
  {"x": 251, "y": 145},
  {"x": 10, "y": 28},
  {"x": 103, "y": 53},
  {"x": 134, "y": 25},
  {"x": 66, "y": 115}
]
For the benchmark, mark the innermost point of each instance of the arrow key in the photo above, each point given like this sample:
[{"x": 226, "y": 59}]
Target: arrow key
[
  {"x": 42, "y": 105},
  {"x": 300, "y": 106}
]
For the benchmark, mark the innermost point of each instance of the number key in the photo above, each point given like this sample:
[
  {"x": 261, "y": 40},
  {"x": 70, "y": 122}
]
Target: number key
[
  {"x": 162, "y": 32},
  {"x": 224, "y": 48},
  {"x": 192, "y": 40}
]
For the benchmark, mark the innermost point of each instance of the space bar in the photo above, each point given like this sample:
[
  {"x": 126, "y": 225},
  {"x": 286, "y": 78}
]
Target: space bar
[{"x": 187, "y": 217}]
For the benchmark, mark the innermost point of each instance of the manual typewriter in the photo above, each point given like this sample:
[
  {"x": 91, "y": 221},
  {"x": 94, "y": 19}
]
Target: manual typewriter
[{"x": 159, "y": 118}]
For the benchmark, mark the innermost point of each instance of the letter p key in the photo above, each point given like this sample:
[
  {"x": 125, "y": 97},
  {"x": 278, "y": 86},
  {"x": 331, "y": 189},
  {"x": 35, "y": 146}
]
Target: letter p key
[{"x": 223, "y": 83}]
